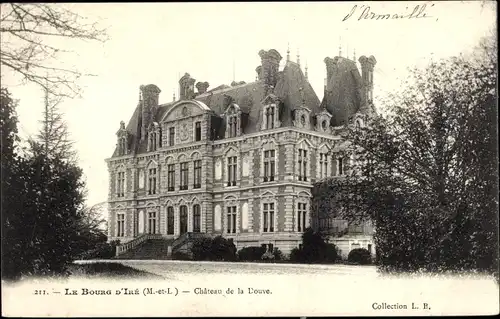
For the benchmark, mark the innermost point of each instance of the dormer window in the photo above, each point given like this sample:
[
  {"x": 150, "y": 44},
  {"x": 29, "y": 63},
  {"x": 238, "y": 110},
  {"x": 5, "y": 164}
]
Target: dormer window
[
  {"x": 270, "y": 111},
  {"x": 197, "y": 131},
  {"x": 154, "y": 137},
  {"x": 233, "y": 121},
  {"x": 301, "y": 117},
  {"x": 232, "y": 125},
  {"x": 152, "y": 141},
  {"x": 323, "y": 121}
]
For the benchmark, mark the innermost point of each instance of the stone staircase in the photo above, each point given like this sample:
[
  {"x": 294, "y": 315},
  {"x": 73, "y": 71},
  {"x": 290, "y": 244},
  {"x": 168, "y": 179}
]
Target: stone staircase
[
  {"x": 149, "y": 249},
  {"x": 154, "y": 246}
]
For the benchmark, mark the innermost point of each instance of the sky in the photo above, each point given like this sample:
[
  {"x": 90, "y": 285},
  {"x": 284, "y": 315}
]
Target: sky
[{"x": 158, "y": 42}]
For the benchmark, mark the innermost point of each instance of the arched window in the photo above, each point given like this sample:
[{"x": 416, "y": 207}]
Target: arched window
[
  {"x": 196, "y": 218},
  {"x": 183, "y": 223},
  {"x": 170, "y": 220}
]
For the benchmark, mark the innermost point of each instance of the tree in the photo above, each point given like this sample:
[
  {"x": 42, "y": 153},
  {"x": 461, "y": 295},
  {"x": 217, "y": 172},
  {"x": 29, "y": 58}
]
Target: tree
[
  {"x": 26, "y": 32},
  {"x": 427, "y": 174},
  {"x": 9, "y": 182},
  {"x": 53, "y": 139}
]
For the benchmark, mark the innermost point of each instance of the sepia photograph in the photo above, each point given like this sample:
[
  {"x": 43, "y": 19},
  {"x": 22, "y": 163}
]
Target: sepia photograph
[{"x": 249, "y": 159}]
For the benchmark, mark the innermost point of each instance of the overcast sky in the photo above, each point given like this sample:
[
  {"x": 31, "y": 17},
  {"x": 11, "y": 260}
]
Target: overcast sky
[{"x": 157, "y": 42}]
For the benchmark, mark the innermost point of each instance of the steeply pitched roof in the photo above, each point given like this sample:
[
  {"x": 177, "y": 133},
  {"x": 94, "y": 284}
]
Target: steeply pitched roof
[
  {"x": 295, "y": 91},
  {"x": 292, "y": 89},
  {"x": 343, "y": 93}
]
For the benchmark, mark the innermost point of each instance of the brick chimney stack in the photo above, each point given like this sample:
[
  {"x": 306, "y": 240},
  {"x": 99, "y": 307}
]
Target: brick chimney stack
[
  {"x": 202, "y": 87},
  {"x": 186, "y": 84},
  {"x": 367, "y": 66},
  {"x": 149, "y": 104},
  {"x": 270, "y": 61}
]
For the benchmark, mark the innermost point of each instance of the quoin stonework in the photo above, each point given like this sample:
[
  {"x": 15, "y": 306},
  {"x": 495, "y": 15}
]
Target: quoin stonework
[{"x": 239, "y": 160}]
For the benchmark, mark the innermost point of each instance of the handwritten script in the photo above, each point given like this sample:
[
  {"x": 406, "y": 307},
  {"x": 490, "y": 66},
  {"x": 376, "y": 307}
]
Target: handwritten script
[{"x": 365, "y": 13}]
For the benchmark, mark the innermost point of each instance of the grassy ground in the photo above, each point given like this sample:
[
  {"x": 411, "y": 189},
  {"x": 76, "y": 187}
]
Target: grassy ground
[{"x": 108, "y": 270}]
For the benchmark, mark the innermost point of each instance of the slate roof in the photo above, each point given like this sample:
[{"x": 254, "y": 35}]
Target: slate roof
[
  {"x": 343, "y": 94},
  {"x": 292, "y": 88}
]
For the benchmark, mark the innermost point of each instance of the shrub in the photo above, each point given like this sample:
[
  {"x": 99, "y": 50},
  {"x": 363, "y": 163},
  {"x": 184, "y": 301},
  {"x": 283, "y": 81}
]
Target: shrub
[
  {"x": 102, "y": 251},
  {"x": 202, "y": 249},
  {"x": 331, "y": 253},
  {"x": 251, "y": 253},
  {"x": 278, "y": 255},
  {"x": 180, "y": 255},
  {"x": 360, "y": 256},
  {"x": 296, "y": 255},
  {"x": 218, "y": 248},
  {"x": 268, "y": 256},
  {"x": 223, "y": 249},
  {"x": 314, "y": 249}
]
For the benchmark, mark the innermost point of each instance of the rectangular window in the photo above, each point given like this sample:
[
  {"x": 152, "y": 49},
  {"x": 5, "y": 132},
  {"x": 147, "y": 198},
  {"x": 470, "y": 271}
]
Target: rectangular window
[
  {"x": 152, "y": 181},
  {"x": 269, "y": 166},
  {"x": 323, "y": 165},
  {"x": 184, "y": 176},
  {"x": 231, "y": 220},
  {"x": 231, "y": 171},
  {"x": 197, "y": 131},
  {"x": 152, "y": 223},
  {"x": 301, "y": 217},
  {"x": 120, "y": 225},
  {"x": 197, "y": 174},
  {"x": 121, "y": 184},
  {"x": 171, "y": 178},
  {"x": 232, "y": 126},
  {"x": 302, "y": 162},
  {"x": 270, "y": 117},
  {"x": 170, "y": 220},
  {"x": 341, "y": 166},
  {"x": 268, "y": 217},
  {"x": 171, "y": 136},
  {"x": 196, "y": 218}
]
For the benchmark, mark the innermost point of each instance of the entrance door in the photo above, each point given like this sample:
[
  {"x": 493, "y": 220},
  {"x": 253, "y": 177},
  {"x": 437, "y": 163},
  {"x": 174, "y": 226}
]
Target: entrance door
[{"x": 184, "y": 220}]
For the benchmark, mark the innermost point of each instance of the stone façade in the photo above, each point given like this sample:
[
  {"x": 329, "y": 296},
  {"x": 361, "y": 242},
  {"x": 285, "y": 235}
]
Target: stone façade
[{"x": 202, "y": 132}]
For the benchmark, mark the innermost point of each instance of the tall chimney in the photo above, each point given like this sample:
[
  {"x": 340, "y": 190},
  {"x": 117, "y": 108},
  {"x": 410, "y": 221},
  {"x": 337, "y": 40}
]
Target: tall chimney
[
  {"x": 186, "y": 84},
  {"x": 259, "y": 72},
  {"x": 270, "y": 65},
  {"x": 367, "y": 66},
  {"x": 149, "y": 104},
  {"x": 202, "y": 87}
]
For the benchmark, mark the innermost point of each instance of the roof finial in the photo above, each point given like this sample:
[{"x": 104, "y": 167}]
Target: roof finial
[
  {"x": 307, "y": 78},
  {"x": 354, "y": 56},
  {"x": 288, "y": 53},
  {"x": 173, "y": 95},
  {"x": 298, "y": 57},
  {"x": 340, "y": 46}
]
